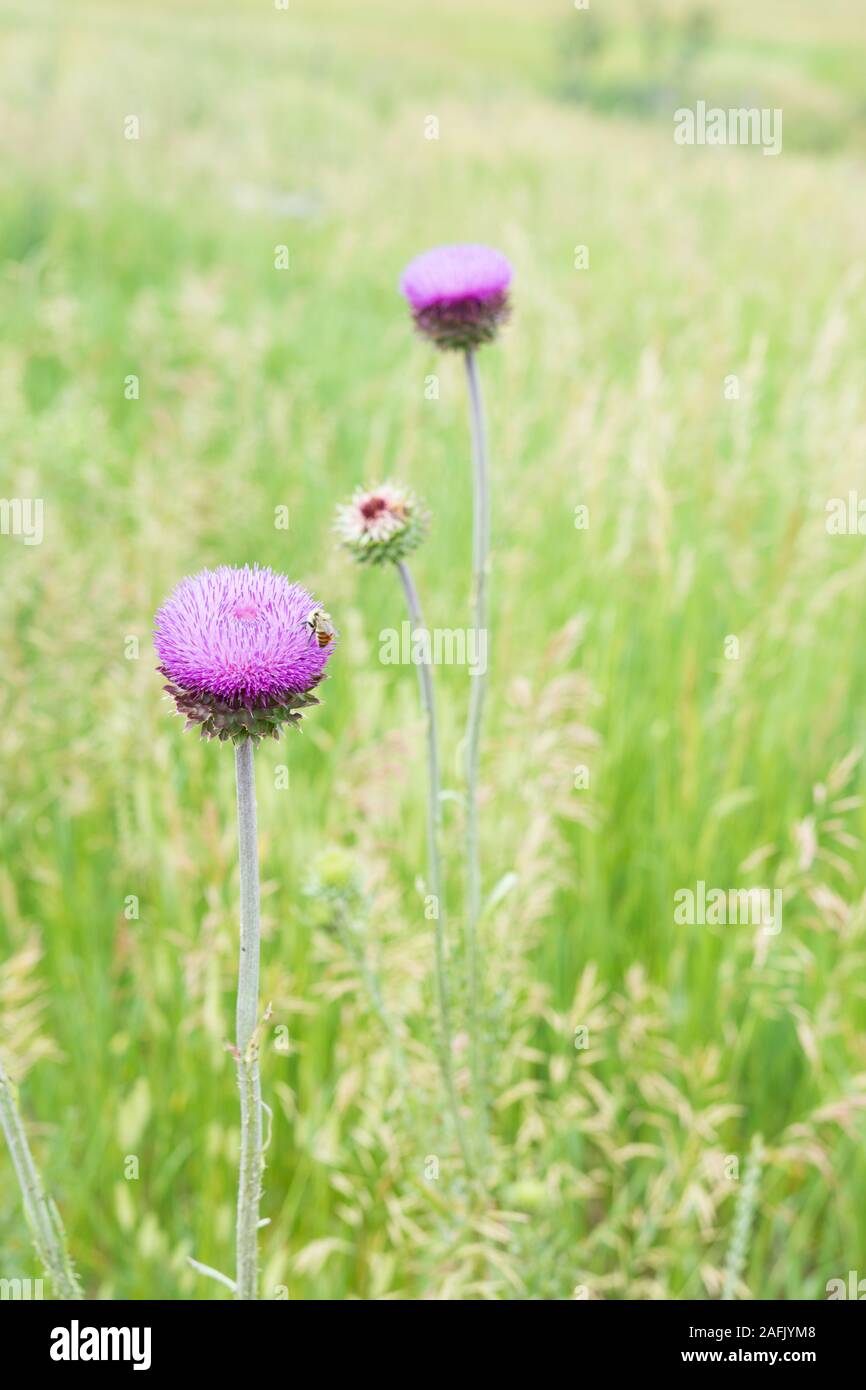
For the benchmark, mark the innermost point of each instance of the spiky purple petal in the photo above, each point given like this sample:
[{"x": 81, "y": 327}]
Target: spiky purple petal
[{"x": 449, "y": 274}]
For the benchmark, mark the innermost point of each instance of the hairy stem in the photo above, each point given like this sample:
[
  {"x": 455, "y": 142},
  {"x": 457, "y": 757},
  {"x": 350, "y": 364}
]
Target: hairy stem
[
  {"x": 434, "y": 815},
  {"x": 472, "y": 743},
  {"x": 43, "y": 1218},
  {"x": 249, "y": 1082}
]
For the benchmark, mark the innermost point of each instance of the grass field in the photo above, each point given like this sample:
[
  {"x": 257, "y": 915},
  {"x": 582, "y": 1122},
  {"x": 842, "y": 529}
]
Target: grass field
[{"x": 614, "y": 1168}]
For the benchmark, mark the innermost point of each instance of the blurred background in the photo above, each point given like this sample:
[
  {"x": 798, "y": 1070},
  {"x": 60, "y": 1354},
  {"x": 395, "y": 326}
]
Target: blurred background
[{"x": 695, "y": 379}]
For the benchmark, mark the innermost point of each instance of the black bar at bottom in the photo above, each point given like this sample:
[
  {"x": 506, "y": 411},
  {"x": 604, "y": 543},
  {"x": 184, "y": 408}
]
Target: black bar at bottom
[{"x": 149, "y": 1338}]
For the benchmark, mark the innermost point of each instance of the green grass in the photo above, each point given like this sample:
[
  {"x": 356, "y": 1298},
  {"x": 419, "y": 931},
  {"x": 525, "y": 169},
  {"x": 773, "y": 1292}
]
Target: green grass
[{"x": 261, "y": 388}]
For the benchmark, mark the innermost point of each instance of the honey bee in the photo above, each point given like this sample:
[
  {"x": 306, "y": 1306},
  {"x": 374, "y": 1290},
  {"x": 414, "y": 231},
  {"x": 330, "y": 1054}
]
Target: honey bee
[{"x": 319, "y": 625}]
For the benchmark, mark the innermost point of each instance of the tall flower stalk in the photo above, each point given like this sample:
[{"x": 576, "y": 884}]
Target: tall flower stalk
[
  {"x": 243, "y": 650},
  {"x": 383, "y": 525},
  {"x": 43, "y": 1218},
  {"x": 437, "y": 888},
  {"x": 459, "y": 299},
  {"x": 477, "y": 692},
  {"x": 246, "y": 1020}
]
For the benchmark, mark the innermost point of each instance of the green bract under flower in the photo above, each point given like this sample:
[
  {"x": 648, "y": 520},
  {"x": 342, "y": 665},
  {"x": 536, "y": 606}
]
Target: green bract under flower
[
  {"x": 216, "y": 719},
  {"x": 382, "y": 524}
]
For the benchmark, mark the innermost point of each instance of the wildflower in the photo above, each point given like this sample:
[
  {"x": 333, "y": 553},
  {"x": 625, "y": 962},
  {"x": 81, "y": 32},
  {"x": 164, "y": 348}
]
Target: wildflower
[
  {"x": 381, "y": 524},
  {"x": 458, "y": 294},
  {"x": 242, "y": 650},
  {"x": 459, "y": 297}
]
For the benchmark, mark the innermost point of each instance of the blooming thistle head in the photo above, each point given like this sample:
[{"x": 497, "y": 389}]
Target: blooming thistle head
[
  {"x": 458, "y": 294},
  {"x": 381, "y": 524},
  {"x": 242, "y": 649}
]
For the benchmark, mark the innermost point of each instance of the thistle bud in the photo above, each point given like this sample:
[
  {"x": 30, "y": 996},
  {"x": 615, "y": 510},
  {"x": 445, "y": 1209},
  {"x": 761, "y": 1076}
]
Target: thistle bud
[{"x": 381, "y": 525}]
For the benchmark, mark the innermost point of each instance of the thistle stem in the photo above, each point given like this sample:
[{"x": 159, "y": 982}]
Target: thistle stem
[
  {"x": 249, "y": 1082},
  {"x": 472, "y": 743},
  {"x": 43, "y": 1218},
  {"x": 434, "y": 817}
]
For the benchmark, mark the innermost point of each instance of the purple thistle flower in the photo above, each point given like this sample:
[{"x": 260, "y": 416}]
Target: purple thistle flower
[
  {"x": 458, "y": 294},
  {"x": 243, "y": 649}
]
